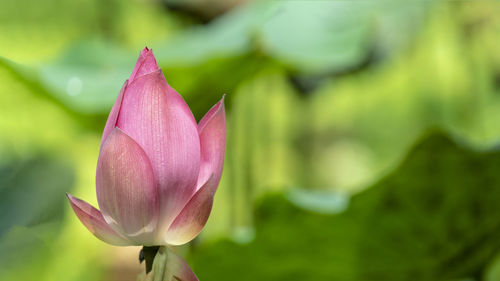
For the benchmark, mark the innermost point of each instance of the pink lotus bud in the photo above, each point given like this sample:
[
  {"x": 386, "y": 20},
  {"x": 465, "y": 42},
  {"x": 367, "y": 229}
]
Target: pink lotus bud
[{"x": 158, "y": 170}]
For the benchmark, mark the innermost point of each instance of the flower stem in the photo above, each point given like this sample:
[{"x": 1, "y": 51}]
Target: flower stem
[{"x": 148, "y": 254}]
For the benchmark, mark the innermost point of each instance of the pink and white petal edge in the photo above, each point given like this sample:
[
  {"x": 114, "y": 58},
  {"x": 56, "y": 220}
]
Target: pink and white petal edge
[
  {"x": 93, "y": 220},
  {"x": 193, "y": 217},
  {"x": 126, "y": 188}
]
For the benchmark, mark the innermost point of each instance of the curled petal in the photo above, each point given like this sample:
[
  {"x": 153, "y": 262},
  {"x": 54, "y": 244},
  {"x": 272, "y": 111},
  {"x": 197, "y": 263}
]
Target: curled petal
[
  {"x": 95, "y": 223},
  {"x": 126, "y": 188},
  {"x": 159, "y": 120},
  {"x": 212, "y": 130},
  {"x": 193, "y": 217},
  {"x": 146, "y": 63}
]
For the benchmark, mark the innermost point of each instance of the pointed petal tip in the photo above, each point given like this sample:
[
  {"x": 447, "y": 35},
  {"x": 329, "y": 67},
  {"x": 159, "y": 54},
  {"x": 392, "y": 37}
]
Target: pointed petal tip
[
  {"x": 221, "y": 101},
  {"x": 75, "y": 201},
  {"x": 93, "y": 220},
  {"x": 72, "y": 199},
  {"x": 146, "y": 63},
  {"x": 146, "y": 52},
  {"x": 212, "y": 130},
  {"x": 218, "y": 108}
]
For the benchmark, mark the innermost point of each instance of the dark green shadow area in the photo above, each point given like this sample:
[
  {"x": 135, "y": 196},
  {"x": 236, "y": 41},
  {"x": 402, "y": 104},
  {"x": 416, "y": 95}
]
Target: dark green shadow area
[
  {"x": 32, "y": 203},
  {"x": 32, "y": 191},
  {"x": 433, "y": 218}
]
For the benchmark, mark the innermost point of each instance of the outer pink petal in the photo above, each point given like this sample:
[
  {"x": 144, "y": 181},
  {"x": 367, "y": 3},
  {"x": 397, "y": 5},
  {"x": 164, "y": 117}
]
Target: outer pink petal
[
  {"x": 146, "y": 63},
  {"x": 212, "y": 130},
  {"x": 159, "y": 120},
  {"x": 95, "y": 223},
  {"x": 194, "y": 216},
  {"x": 127, "y": 189},
  {"x": 113, "y": 115}
]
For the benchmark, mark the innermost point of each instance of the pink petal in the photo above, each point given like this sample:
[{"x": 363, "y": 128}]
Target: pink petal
[
  {"x": 194, "y": 216},
  {"x": 159, "y": 120},
  {"x": 212, "y": 130},
  {"x": 126, "y": 188},
  {"x": 113, "y": 115},
  {"x": 146, "y": 63},
  {"x": 95, "y": 223}
]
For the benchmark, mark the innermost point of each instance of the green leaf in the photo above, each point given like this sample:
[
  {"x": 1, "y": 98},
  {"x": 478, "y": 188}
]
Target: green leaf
[
  {"x": 32, "y": 191},
  {"x": 493, "y": 270},
  {"x": 362, "y": 124},
  {"x": 435, "y": 216},
  {"x": 306, "y": 36},
  {"x": 32, "y": 205},
  {"x": 228, "y": 36},
  {"x": 87, "y": 73},
  {"x": 88, "y": 77},
  {"x": 317, "y": 36},
  {"x": 24, "y": 251}
]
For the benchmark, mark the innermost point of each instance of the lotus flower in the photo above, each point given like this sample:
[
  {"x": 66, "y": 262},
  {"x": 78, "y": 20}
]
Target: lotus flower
[{"x": 158, "y": 170}]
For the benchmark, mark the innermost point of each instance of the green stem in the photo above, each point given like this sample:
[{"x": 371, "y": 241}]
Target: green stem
[
  {"x": 164, "y": 265},
  {"x": 148, "y": 254}
]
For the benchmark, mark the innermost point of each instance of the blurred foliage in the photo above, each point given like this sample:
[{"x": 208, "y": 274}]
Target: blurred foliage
[
  {"x": 442, "y": 81},
  {"x": 23, "y": 184},
  {"x": 84, "y": 76},
  {"x": 31, "y": 207},
  {"x": 324, "y": 98},
  {"x": 433, "y": 218},
  {"x": 46, "y": 150}
]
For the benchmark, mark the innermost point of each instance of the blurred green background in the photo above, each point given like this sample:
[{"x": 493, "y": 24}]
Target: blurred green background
[{"x": 363, "y": 136}]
